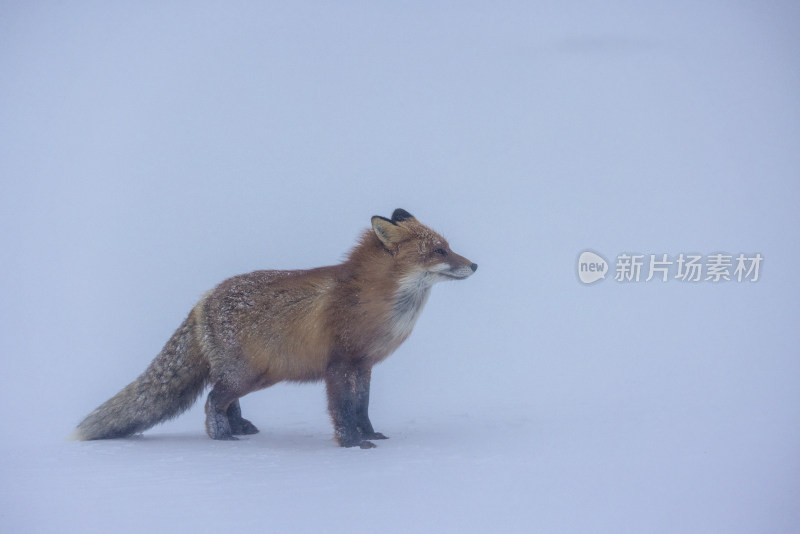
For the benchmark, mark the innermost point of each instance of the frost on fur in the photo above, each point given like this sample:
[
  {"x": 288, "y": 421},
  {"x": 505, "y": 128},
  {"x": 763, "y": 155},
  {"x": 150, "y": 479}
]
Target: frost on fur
[{"x": 255, "y": 330}]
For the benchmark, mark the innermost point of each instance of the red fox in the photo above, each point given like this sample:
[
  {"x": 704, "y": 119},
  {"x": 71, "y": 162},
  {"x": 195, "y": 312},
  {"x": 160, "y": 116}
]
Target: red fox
[{"x": 255, "y": 330}]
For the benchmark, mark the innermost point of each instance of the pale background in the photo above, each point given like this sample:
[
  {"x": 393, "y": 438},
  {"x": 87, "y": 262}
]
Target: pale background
[{"x": 149, "y": 150}]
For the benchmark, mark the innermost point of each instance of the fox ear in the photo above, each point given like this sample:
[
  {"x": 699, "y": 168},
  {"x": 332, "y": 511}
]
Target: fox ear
[
  {"x": 401, "y": 215},
  {"x": 387, "y": 231}
]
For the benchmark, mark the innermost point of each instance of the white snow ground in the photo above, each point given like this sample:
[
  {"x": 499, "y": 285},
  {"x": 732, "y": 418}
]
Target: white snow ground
[
  {"x": 149, "y": 151},
  {"x": 446, "y": 472}
]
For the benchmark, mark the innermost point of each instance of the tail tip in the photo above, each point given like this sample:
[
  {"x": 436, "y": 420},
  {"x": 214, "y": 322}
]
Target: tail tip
[{"x": 76, "y": 435}]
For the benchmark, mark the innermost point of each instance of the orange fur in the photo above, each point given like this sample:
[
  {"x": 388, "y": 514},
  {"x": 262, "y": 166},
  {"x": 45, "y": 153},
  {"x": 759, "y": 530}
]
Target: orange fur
[{"x": 332, "y": 323}]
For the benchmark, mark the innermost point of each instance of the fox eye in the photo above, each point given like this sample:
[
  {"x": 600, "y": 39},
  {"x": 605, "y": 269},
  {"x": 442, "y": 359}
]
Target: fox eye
[{"x": 441, "y": 252}]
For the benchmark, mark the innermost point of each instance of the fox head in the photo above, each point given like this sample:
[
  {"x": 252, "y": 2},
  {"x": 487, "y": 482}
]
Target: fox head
[{"x": 419, "y": 252}]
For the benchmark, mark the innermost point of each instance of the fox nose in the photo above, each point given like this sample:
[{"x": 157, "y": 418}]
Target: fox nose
[{"x": 474, "y": 267}]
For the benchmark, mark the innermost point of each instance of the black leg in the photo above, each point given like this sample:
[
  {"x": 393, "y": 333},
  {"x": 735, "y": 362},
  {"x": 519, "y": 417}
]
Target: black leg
[
  {"x": 348, "y": 399},
  {"x": 363, "y": 379},
  {"x": 239, "y": 425},
  {"x": 218, "y": 425}
]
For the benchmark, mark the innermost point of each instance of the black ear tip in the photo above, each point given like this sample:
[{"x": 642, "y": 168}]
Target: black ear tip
[{"x": 401, "y": 215}]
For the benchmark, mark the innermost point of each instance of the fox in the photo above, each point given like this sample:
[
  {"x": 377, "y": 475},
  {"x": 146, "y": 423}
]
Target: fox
[{"x": 252, "y": 331}]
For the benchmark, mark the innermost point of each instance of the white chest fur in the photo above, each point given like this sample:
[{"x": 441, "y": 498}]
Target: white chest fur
[{"x": 412, "y": 293}]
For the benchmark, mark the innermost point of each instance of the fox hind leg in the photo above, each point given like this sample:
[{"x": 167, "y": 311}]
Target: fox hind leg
[
  {"x": 218, "y": 423},
  {"x": 239, "y": 425}
]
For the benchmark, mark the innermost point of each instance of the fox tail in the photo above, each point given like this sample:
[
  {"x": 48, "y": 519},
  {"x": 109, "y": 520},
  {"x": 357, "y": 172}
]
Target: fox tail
[{"x": 168, "y": 387}]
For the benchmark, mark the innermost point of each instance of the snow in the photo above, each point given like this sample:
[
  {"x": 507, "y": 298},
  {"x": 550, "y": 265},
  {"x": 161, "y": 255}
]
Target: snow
[
  {"x": 453, "y": 472},
  {"x": 149, "y": 152}
]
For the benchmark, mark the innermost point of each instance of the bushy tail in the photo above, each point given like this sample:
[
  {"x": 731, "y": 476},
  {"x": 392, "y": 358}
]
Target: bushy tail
[{"x": 168, "y": 387}]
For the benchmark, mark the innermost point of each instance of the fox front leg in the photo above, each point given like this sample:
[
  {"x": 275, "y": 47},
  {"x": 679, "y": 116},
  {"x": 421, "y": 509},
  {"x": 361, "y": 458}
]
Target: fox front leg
[
  {"x": 363, "y": 424},
  {"x": 347, "y": 386}
]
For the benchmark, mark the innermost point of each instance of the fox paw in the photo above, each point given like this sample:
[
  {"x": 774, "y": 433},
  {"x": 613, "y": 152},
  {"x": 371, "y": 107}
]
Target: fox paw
[
  {"x": 375, "y": 435},
  {"x": 243, "y": 427},
  {"x": 354, "y": 440}
]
